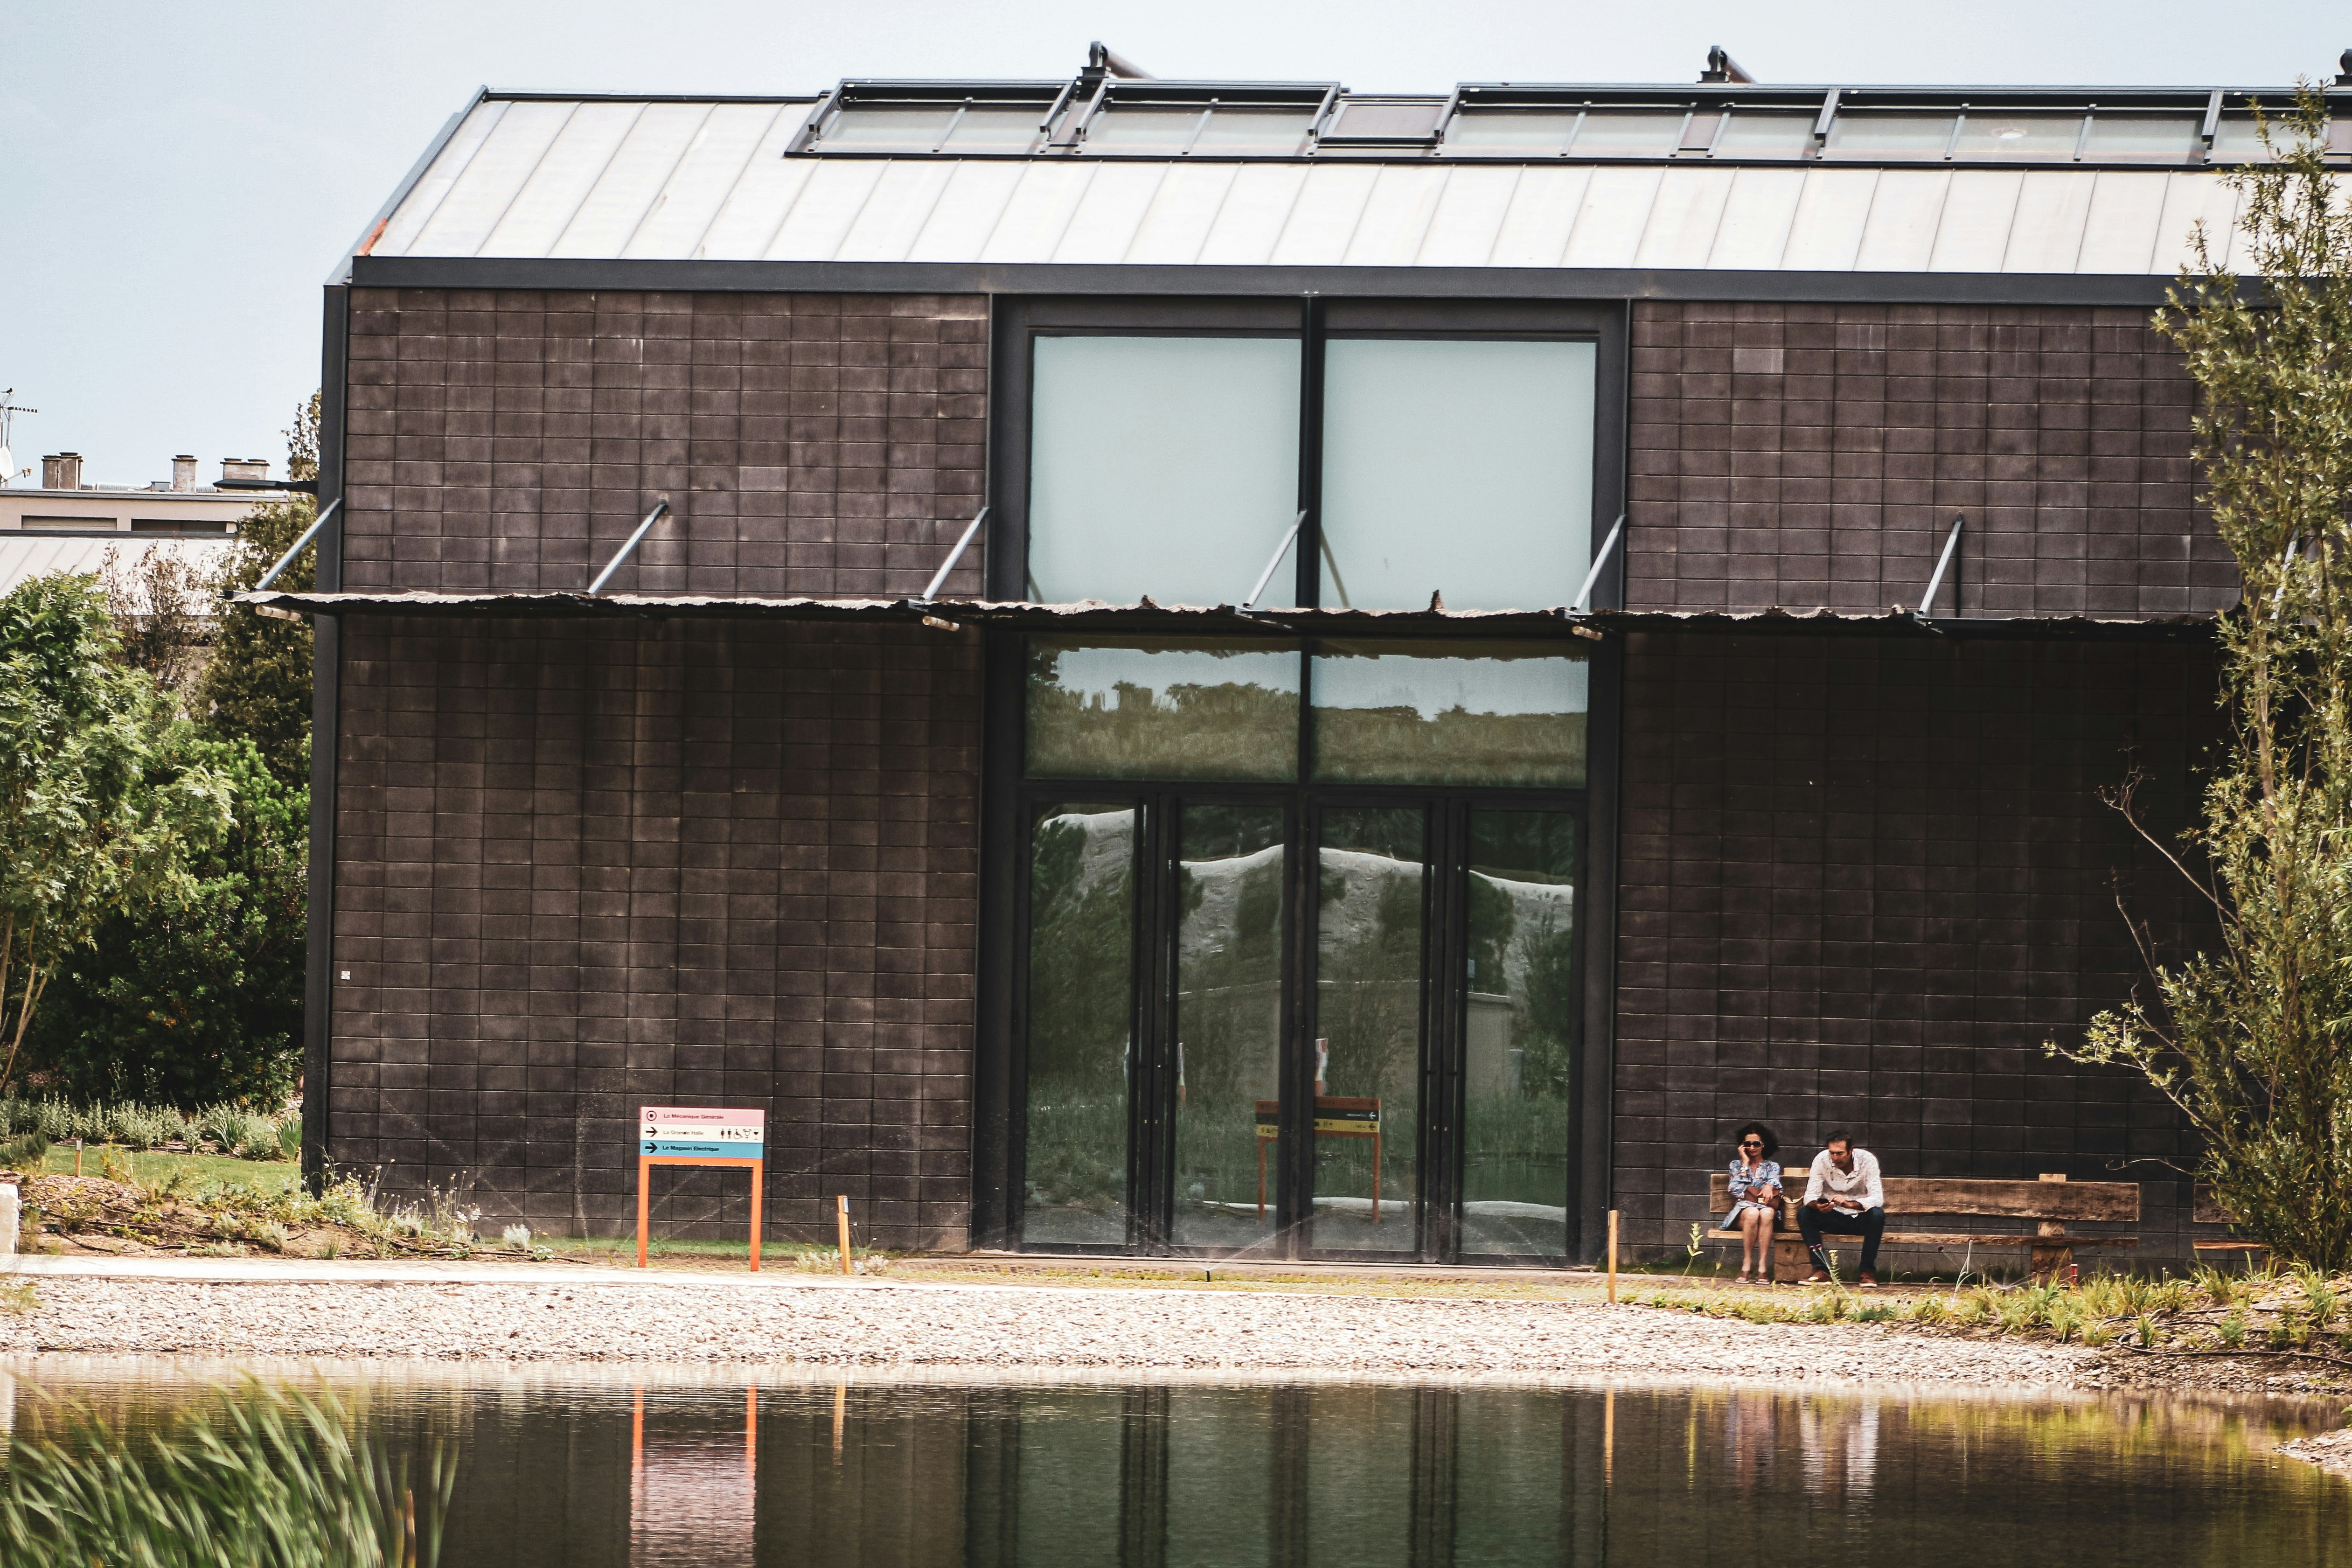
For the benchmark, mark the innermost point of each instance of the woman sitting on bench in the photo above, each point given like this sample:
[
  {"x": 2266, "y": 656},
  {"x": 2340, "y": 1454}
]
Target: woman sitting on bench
[{"x": 1755, "y": 1200}]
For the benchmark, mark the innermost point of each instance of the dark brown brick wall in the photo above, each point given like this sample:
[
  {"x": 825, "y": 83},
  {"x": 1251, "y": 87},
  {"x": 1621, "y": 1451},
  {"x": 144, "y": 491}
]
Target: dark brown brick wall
[
  {"x": 1864, "y": 880},
  {"x": 815, "y": 445},
  {"x": 1815, "y": 454},
  {"x": 586, "y": 866}
]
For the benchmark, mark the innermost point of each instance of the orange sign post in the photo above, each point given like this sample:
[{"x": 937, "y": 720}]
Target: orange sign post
[{"x": 701, "y": 1135}]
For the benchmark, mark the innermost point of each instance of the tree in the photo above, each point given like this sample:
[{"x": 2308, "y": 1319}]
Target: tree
[
  {"x": 257, "y": 684},
  {"x": 2253, "y": 1040},
  {"x": 195, "y": 1000},
  {"x": 96, "y": 808}
]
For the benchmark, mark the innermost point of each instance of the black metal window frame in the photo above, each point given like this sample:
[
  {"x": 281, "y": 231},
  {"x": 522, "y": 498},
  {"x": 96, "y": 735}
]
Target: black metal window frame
[{"x": 1312, "y": 320}]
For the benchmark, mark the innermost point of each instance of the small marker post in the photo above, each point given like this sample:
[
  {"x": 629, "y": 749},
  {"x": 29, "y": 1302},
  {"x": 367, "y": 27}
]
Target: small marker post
[
  {"x": 843, "y": 1214},
  {"x": 1613, "y": 1255}
]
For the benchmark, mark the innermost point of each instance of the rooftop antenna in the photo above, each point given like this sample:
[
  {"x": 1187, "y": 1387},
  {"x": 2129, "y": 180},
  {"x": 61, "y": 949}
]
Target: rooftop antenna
[
  {"x": 9, "y": 409},
  {"x": 1721, "y": 66}
]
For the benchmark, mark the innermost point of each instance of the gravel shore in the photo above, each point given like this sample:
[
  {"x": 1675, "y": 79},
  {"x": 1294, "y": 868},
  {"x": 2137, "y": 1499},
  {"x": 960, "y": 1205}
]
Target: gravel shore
[{"x": 891, "y": 1324}]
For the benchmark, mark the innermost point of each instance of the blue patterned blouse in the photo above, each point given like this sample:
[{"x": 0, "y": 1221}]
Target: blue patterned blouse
[{"x": 1749, "y": 1189}]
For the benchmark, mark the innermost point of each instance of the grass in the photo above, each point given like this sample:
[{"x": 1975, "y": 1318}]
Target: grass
[
  {"x": 622, "y": 1251},
  {"x": 275, "y": 1176}
]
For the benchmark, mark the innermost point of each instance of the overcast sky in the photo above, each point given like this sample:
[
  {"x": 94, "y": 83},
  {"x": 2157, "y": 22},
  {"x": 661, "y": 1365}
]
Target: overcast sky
[{"x": 177, "y": 179}]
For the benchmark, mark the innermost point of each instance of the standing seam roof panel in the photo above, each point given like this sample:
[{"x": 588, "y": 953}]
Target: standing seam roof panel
[
  {"x": 563, "y": 179},
  {"x": 1685, "y": 219},
  {"x": 1324, "y": 219},
  {"x": 902, "y": 202},
  {"x": 960, "y": 219},
  {"x": 1608, "y": 224},
  {"x": 1469, "y": 218},
  {"x": 1106, "y": 222},
  {"x": 493, "y": 176},
  {"x": 1039, "y": 213},
  {"x": 1976, "y": 215},
  {"x": 2120, "y": 232},
  {"x": 2051, "y": 211},
  {"x": 642, "y": 167},
  {"x": 1254, "y": 209},
  {"x": 827, "y": 205},
  {"x": 416, "y": 209},
  {"x": 2188, "y": 200},
  {"x": 714, "y": 161},
  {"x": 1544, "y": 205},
  {"x": 748, "y": 219},
  {"x": 1757, "y": 217},
  {"x": 1176, "y": 225},
  {"x": 1900, "y": 231},
  {"x": 1832, "y": 212},
  {"x": 1396, "y": 217}
]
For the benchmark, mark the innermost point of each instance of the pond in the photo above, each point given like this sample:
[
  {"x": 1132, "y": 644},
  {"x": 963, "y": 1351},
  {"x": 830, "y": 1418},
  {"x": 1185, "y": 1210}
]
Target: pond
[{"x": 645, "y": 1467}]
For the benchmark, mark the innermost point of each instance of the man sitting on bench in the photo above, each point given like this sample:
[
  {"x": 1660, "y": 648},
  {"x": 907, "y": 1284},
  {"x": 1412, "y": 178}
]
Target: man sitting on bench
[{"x": 1843, "y": 1196}]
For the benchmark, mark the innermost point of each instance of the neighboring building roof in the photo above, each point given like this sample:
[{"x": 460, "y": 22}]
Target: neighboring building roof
[
  {"x": 1715, "y": 177},
  {"x": 23, "y": 556}
]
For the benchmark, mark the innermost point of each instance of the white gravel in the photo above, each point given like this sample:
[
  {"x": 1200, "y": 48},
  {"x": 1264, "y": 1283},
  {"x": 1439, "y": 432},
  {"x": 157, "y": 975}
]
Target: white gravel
[{"x": 886, "y": 1324}]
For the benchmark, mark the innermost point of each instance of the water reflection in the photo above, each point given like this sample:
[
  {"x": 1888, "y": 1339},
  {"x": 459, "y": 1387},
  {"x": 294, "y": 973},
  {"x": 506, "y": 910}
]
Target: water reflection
[{"x": 622, "y": 1467}]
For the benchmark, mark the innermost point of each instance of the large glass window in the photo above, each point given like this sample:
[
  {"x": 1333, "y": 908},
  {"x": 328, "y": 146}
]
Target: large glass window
[
  {"x": 1081, "y": 1022},
  {"x": 1229, "y": 898},
  {"x": 1168, "y": 708},
  {"x": 1160, "y": 466},
  {"x": 1389, "y": 712},
  {"x": 1523, "y": 1018},
  {"x": 1461, "y": 466}
]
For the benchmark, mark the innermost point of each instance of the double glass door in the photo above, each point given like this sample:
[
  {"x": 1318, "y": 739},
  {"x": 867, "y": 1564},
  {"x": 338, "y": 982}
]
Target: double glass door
[{"x": 1301, "y": 1023}]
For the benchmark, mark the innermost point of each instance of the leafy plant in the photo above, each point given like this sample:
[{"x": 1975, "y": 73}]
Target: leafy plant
[
  {"x": 257, "y": 684},
  {"x": 100, "y": 805},
  {"x": 264, "y": 1479},
  {"x": 2248, "y": 1040}
]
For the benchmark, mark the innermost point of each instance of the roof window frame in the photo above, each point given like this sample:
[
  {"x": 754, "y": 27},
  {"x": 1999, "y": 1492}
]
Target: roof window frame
[{"x": 851, "y": 94}]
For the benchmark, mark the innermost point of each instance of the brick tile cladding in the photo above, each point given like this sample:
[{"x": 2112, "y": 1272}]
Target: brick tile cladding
[
  {"x": 1862, "y": 879},
  {"x": 583, "y": 866},
  {"x": 813, "y": 444},
  {"x": 1816, "y": 455}
]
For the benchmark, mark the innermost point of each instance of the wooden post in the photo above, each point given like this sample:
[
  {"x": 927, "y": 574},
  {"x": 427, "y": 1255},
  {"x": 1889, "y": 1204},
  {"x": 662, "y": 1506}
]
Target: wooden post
[
  {"x": 845, "y": 1232},
  {"x": 644, "y": 1165},
  {"x": 2049, "y": 1257},
  {"x": 1613, "y": 1255}
]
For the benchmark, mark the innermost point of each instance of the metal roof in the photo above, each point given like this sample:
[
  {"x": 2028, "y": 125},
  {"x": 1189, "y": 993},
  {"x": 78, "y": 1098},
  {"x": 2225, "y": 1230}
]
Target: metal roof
[
  {"x": 669, "y": 179},
  {"x": 26, "y": 556}
]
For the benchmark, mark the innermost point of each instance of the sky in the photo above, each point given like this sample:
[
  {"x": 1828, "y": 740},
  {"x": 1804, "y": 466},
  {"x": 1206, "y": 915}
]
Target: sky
[{"x": 178, "y": 181}]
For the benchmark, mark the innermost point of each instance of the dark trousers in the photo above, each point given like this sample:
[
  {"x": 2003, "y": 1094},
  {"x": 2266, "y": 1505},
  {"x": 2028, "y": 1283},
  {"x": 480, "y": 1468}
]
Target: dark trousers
[{"x": 1869, "y": 1225}]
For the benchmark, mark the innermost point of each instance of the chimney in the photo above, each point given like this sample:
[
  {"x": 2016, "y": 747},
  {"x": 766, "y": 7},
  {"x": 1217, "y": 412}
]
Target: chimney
[
  {"x": 183, "y": 472},
  {"x": 61, "y": 472},
  {"x": 245, "y": 468}
]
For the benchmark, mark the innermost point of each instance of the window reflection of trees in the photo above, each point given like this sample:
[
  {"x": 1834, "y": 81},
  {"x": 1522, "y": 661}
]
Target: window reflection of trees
[
  {"x": 1082, "y": 913},
  {"x": 1228, "y": 1014},
  {"x": 1368, "y": 1004}
]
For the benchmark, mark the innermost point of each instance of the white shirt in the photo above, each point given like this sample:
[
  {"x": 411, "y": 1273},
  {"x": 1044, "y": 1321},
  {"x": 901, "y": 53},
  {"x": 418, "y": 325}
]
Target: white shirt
[{"x": 1859, "y": 1185}]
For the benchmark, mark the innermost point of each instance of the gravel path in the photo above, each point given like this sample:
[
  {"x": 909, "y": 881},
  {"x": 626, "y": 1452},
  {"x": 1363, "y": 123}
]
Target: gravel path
[{"x": 907, "y": 1325}]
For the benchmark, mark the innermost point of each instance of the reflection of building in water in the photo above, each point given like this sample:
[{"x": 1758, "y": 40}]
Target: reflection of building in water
[
  {"x": 693, "y": 1493},
  {"x": 1841, "y": 1443}
]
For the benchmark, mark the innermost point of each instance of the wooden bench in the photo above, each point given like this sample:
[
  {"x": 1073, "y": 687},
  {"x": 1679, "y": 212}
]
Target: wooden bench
[
  {"x": 2049, "y": 1202},
  {"x": 2206, "y": 1209}
]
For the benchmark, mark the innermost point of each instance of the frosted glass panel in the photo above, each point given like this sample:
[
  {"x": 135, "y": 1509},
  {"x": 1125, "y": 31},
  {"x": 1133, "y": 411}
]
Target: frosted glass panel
[
  {"x": 1460, "y": 467},
  {"x": 1162, "y": 466}
]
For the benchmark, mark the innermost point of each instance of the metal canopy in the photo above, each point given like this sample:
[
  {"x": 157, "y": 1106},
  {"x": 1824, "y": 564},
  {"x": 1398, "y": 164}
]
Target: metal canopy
[{"x": 1232, "y": 620}]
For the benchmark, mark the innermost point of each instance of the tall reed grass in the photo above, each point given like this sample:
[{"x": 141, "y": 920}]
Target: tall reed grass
[{"x": 260, "y": 1477}]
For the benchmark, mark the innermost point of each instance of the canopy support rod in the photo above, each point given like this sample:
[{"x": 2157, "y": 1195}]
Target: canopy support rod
[
  {"x": 661, "y": 509},
  {"x": 1583, "y": 600},
  {"x": 1943, "y": 563},
  {"x": 295, "y": 549},
  {"x": 971, "y": 530},
  {"x": 1280, "y": 551}
]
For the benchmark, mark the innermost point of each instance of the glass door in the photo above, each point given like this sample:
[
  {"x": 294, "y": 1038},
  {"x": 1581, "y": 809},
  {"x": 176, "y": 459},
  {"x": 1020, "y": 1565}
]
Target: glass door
[{"x": 1428, "y": 1070}]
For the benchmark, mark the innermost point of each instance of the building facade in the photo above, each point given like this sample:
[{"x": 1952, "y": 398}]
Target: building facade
[{"x": 1221, "y": 668}]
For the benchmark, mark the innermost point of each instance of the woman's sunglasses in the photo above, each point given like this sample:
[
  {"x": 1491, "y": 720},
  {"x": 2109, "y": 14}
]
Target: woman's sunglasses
[{"x": 1753, "y": 1144}]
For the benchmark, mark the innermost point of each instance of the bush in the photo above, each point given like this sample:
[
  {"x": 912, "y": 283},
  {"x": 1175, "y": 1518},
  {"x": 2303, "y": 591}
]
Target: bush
[{"x": 195, "y": 1002}]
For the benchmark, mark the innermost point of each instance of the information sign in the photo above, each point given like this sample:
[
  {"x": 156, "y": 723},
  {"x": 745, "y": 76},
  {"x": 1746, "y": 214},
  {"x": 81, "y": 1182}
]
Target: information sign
[{"x": 700, "y": 1135}]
